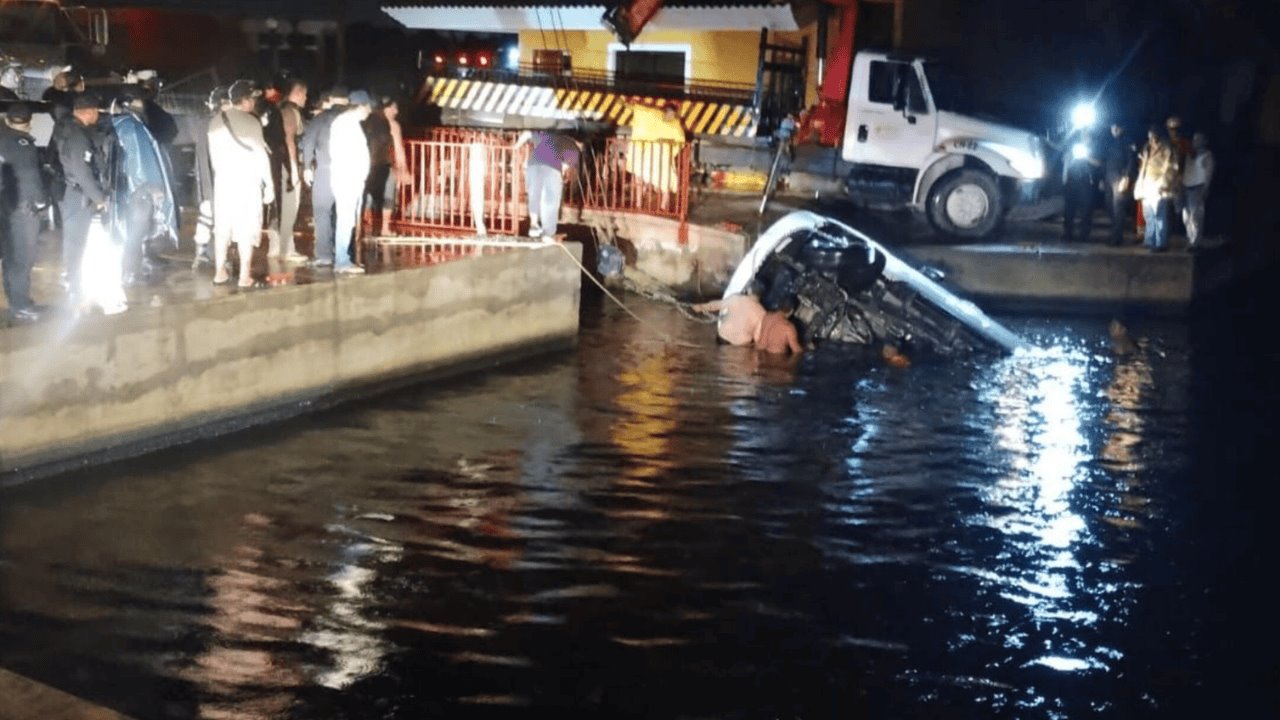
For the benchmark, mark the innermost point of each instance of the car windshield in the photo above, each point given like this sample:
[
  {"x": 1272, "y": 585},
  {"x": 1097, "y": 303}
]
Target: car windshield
[
  {"x": 947, "y": 87},
  {"x": 32, "y": 23}
]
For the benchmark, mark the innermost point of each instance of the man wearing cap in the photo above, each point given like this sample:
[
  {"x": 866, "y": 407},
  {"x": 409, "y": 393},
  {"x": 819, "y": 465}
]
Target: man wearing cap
[
  {"x": 242, "y": 181},
  {"x": 317, "y": 171},
  {"x": 22, "y": 199},
  {"x": 349, "y": 153},
  {"x": 83, "y": 163}
]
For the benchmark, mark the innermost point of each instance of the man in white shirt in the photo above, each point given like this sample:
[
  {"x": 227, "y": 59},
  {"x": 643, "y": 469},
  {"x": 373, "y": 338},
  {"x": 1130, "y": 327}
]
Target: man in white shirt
[
  {"x": 349, "y": 155},
  {"x": 1196, "y": 177},
  {"x": 241, "y": 181}
]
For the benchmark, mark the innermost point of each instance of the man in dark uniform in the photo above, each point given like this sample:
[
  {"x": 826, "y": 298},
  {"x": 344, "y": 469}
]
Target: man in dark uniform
[
  {"x": 317, "y": 172},
  {"x": 83, "y": 164},
  {"x": 1078, "y": 182},
  {"x": 22, "y": 199},
  {"x": 1120, "y": 164}
]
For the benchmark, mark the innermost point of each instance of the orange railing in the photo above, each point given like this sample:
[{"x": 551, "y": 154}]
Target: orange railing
[
  {"x": 472, "y": 181},
  {"x": 651, "y": 178}
]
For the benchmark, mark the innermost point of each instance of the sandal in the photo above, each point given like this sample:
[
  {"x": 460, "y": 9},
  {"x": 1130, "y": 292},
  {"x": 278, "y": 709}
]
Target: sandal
[
  {"x": 222, "y": 282},
  {"x": 254, "y": 285}
]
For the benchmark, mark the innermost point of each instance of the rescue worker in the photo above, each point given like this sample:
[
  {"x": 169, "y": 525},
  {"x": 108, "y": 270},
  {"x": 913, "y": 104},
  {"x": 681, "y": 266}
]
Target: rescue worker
[
  {"x": 291, "y": 107},
  {"x": 1196, "y": 176},
  {"x": 1078, "y": 182},
  {"x": 242, "y": 182},
  {"x": 776, "y": 334},
  {"x": 22, "y": 200},
  {"x": 83, "y": 161},
  {"x": 349, "y": 154},
  {"x": 1119, "y": 166},
  {"x": 740, "y": 317},
  {"x": 553, "y": 155},
  {"x": 1157, "y": 185},
  {"x": 317, "y": 171}
]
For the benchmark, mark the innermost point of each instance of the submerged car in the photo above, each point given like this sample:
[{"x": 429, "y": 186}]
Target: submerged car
[{"x": 847, "y": 288}]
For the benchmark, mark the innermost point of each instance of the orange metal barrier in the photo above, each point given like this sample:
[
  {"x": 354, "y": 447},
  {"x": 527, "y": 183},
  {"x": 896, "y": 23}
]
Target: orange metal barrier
[
  {"x": 473, "y": 181},
  {"x": 637, "y": 176}
]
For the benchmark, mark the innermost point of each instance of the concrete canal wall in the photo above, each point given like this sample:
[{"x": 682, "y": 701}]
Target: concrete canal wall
[{"x": 105, "y": 387}]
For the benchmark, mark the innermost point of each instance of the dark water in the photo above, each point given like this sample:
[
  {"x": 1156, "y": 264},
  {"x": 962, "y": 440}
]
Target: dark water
[{"x": 632, "y": 529}]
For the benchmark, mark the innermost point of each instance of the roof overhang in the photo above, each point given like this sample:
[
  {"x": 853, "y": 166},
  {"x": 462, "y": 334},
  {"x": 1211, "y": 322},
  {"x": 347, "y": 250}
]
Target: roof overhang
[{"x": 496, "y": 18}]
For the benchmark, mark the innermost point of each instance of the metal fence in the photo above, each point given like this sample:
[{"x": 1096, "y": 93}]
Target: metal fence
[{"x": 473, "y": 181}]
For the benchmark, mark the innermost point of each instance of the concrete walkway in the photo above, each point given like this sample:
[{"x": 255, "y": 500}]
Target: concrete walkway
[{"x": 25, "y": 699}]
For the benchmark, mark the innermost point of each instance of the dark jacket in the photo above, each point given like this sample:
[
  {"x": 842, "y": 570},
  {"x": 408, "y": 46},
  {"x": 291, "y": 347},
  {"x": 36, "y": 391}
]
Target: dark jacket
[
  {"x": 1120, "y": 160},
  {"x": 315, "y": 141},
  {"x": 21, "y": 180},
  {"x": 81, "y": 158}
]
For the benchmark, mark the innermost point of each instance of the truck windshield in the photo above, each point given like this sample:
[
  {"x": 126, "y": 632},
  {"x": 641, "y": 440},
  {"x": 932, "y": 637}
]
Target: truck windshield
[
  {"x": 947, "y": 87},
  {"x": 32, "y": 23}
]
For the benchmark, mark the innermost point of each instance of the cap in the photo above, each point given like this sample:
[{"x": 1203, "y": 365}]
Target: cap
[
  {"x": 216, "y": 97},
  {"x": 19, "y": 113},
  {"x": 85, "y": 101},
  {"x": 360, "y": 97},
  {"x": 242, "y": 90}
]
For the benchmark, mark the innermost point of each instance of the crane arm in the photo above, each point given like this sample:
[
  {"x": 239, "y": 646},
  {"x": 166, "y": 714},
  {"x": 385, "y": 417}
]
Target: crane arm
[{"x": 627, "y": 18}]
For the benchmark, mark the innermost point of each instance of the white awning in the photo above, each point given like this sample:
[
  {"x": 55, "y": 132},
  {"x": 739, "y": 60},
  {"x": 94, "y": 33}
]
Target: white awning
[{"x": 515, "y": 19}]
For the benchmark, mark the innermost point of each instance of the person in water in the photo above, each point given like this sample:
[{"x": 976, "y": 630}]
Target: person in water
[{"x": 744, "y": 321}]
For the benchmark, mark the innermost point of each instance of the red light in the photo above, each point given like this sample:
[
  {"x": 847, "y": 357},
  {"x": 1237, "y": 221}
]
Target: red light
[
  {"x": 439, "y": 59},
  {"x": 462, "y": 59},
  {"x": 483, "y": 59}
]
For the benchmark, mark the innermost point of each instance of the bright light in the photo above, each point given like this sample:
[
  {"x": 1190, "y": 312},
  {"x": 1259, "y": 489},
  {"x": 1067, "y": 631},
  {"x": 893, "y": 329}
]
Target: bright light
[
  {"x": 1028, "y": 165},
  {"x": 101, "y": 270},
  {"x": 462, "y": 59},
  {"x": 483, "y": 60},
  {"x": 1083, "y": 115},
  {"x": 513, "y": 58},
  {"x": 1079, "y": 151},
  {"x": 439, "y": 59}
]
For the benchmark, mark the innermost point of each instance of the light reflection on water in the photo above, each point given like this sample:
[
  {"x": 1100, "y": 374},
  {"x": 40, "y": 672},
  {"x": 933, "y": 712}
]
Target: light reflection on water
[{"x": 632, "y": 529}]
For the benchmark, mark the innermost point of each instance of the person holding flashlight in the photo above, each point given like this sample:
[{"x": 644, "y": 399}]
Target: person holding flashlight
[{"x": 1078, "y": 183}]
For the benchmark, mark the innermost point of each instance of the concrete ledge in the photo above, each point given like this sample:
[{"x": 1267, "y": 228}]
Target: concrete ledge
[
  {"x": 697, "y": 264},
  {"x": 23, "y": 699},
  {"x": 105, "y": 387},
  {"x": 1070, "y": 277}
]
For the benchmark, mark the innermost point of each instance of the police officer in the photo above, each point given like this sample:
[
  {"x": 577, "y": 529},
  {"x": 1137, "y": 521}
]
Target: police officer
[
  {"x": 22, "y": 200},
  {"x": 83, "y": 161}
]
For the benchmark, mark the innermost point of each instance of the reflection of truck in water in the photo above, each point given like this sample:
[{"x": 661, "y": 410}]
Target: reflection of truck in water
[{"x": 38, "y": 38}]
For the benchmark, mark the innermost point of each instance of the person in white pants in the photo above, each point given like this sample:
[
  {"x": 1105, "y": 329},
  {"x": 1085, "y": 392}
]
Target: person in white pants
[
  {"x": 349, "y": 150},
  {"x": 241, "y": 181},
  {"x": 1195, "y": 182}
]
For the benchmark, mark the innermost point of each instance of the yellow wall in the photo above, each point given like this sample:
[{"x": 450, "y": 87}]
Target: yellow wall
[{"x": 717, "y": 56}]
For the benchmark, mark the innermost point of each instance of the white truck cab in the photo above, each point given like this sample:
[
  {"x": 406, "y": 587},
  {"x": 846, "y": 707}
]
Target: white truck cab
[{"x": 909, "y": 144}]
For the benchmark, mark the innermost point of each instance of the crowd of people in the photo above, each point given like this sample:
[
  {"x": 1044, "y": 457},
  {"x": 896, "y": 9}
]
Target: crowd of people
[
  {"x": 1168, "y": 177},
  {"x": 108, "y": 173}
]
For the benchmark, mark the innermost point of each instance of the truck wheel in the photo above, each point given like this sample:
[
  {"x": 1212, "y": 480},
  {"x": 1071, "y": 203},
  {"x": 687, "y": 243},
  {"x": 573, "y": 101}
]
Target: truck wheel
[{"x": 966, "y": 204}]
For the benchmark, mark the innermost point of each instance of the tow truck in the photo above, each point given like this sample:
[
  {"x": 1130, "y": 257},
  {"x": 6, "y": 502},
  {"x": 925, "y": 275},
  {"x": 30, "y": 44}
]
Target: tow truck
[{"x": 902, "y": 133}]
